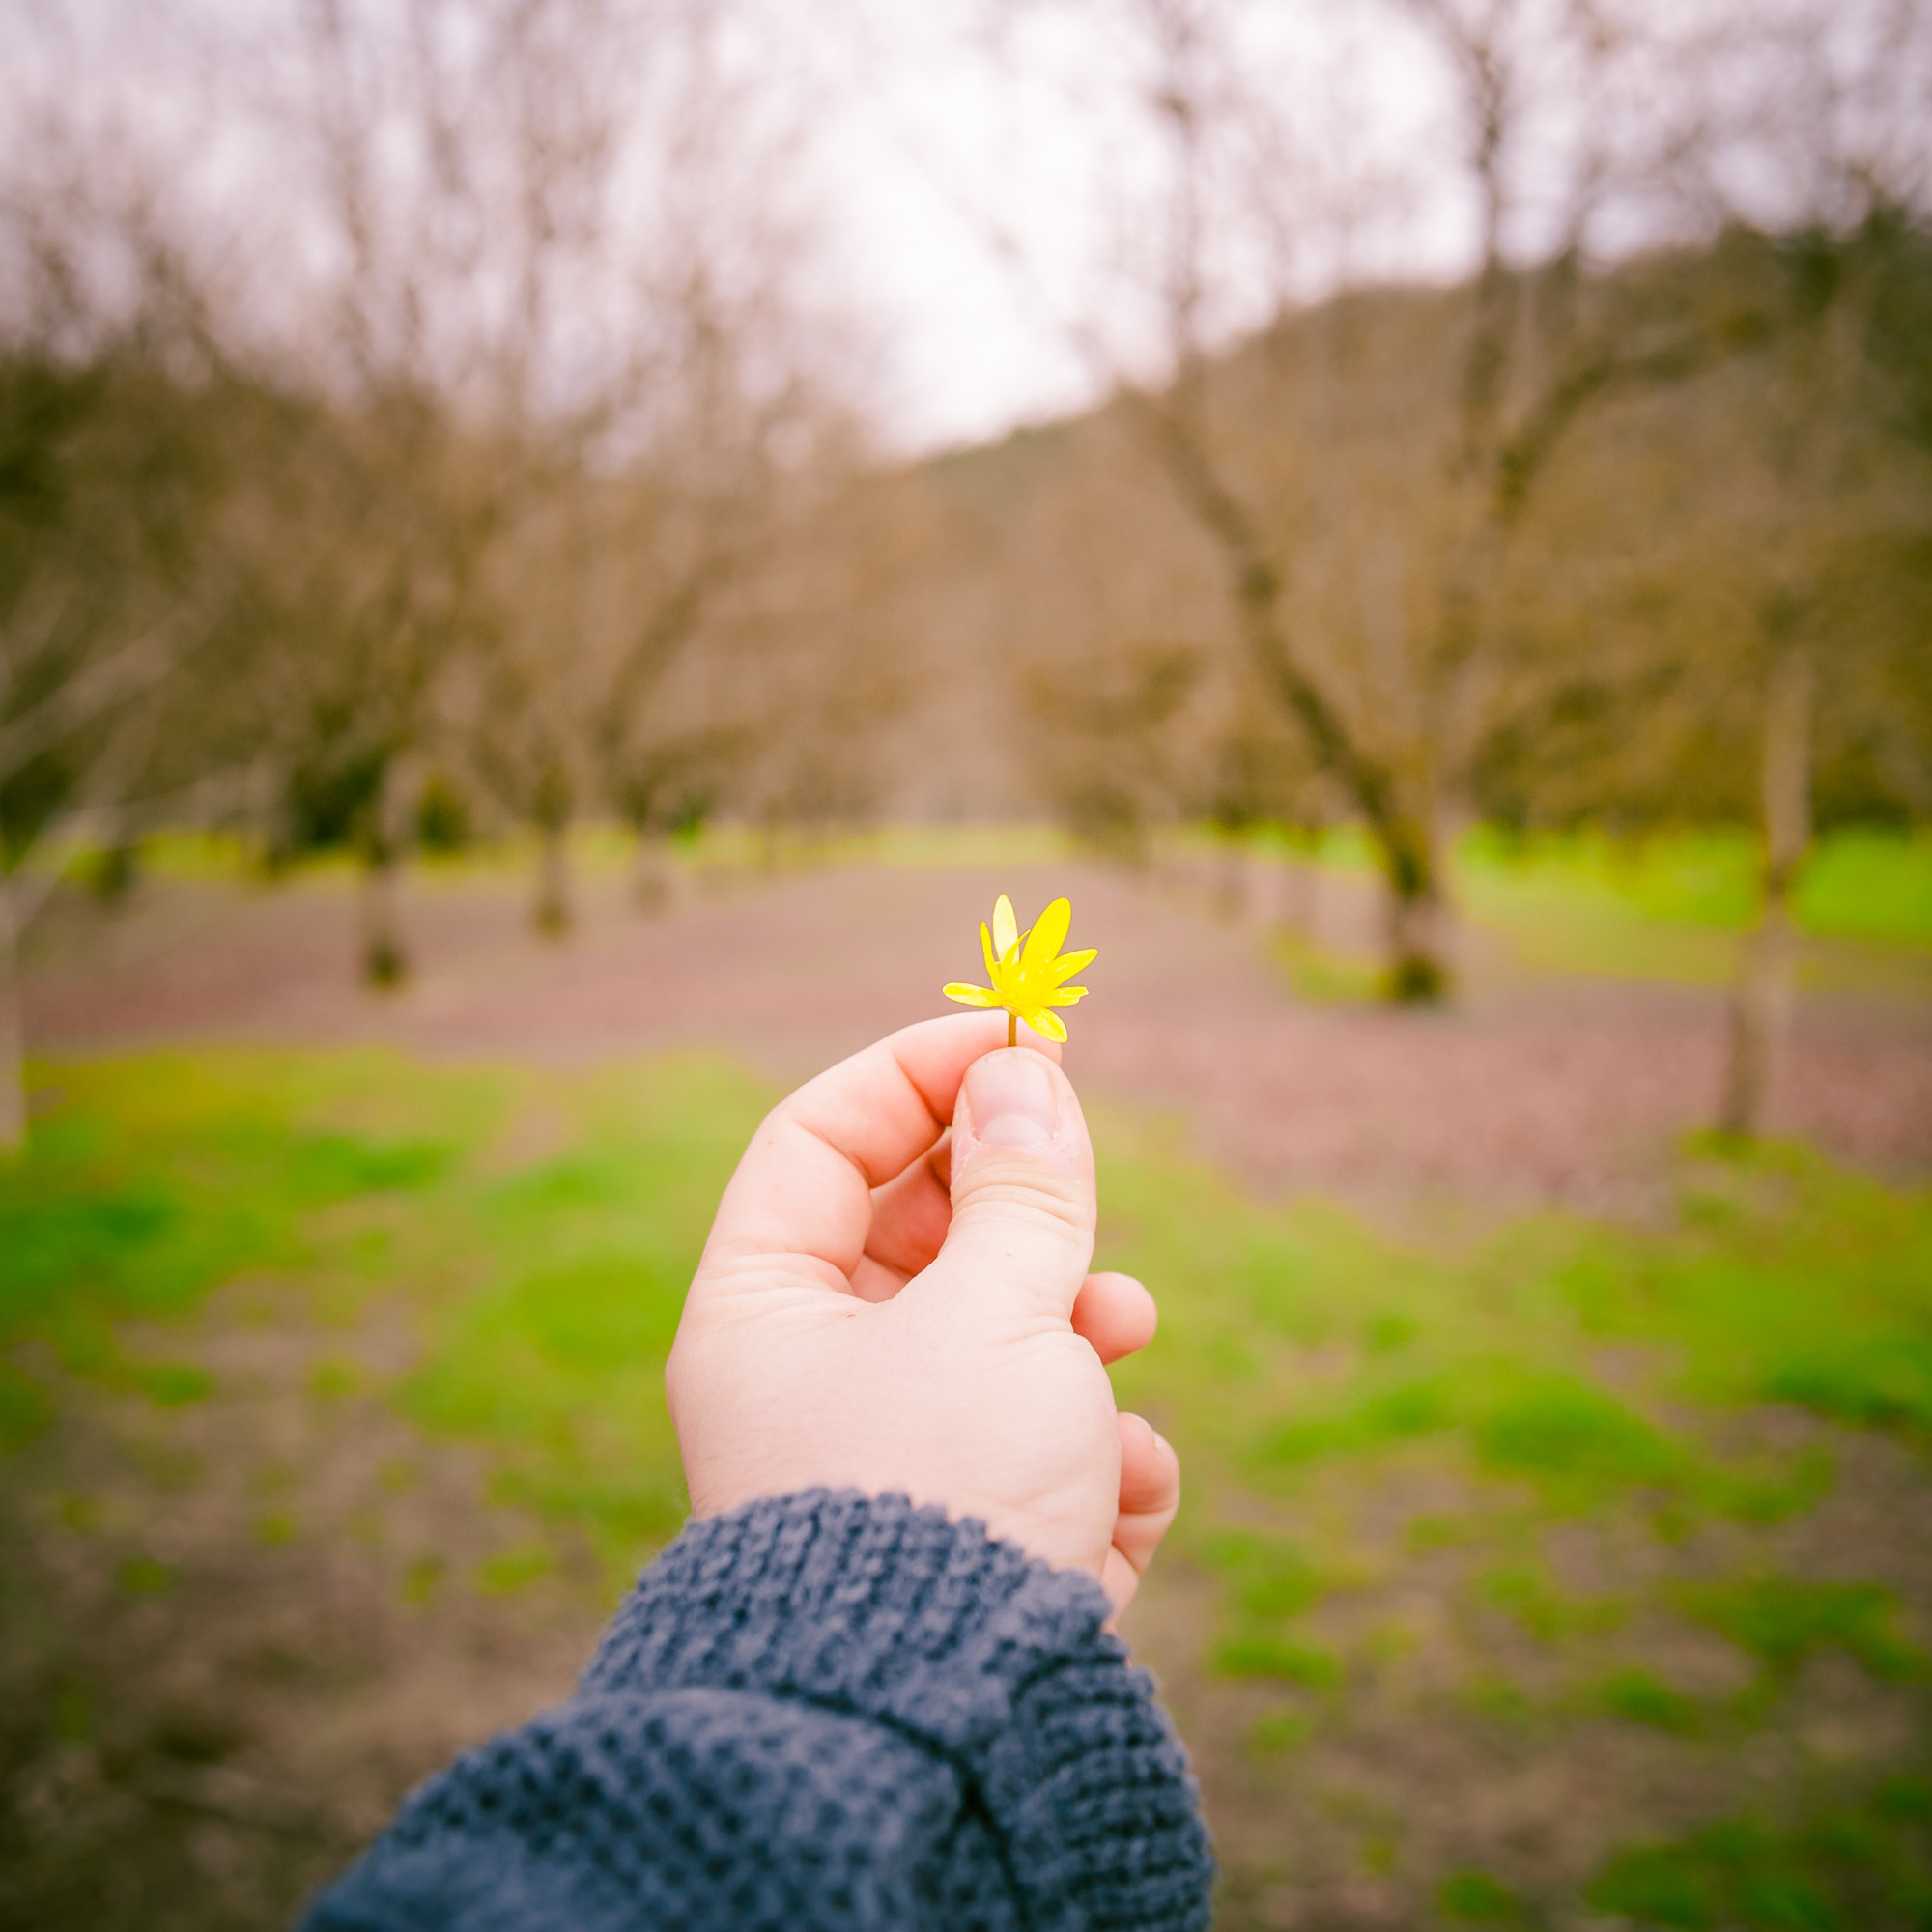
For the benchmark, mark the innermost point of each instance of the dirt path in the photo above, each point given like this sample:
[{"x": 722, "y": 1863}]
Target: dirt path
[{"x": 1530, "y": 1090}]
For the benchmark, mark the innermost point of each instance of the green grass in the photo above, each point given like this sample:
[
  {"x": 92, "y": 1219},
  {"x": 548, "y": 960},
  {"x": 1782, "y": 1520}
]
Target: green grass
[
  {"x": 1669, "y": 905},
  {"x": 1559, "y": 1377},
  {"x": 1864, "y": 883},
  {"x": 1784, "y": 1620},
  {"x": 549, "y": 1290},
  {"x": 1870, "y": 885},
  {"x": 605, "y": 847},
  {"x": 1784, "y": 1280},
  {"x": 1694, "y": 878},
  {"x": 1367, "y": 1424},
  {"x": 148, "y": 1182},
  {"x": 1839, "y": 1870},
  {"x": 1322, "y": 976},
  {"x": 1640, "y": 1697},
  {"x": 556, "y": 1356},
  {"x": 1474, "y": 1898},
  {"x": 1858, "y": 883}
]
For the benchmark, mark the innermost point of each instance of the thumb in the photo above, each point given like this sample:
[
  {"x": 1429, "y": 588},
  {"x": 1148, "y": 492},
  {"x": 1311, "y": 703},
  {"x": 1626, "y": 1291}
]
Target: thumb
[{"x": 1022, "y": 1230}]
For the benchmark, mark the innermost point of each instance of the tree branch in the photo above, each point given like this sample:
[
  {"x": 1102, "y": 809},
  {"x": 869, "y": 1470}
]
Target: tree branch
[{"x": 84, "y": 697}]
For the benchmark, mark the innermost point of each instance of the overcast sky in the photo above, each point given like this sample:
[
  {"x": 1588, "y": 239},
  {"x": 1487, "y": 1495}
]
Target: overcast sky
[
  {"x": 980, "y": 172},
  {"x": 981, "y": 178},
  {"x": 984, "y": 195},
  {"x": 943, "y": 133}
]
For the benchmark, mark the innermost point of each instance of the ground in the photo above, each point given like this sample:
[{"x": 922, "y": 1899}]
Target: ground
[
  {"x": 1558, "y": 1545},
  {"x": 1533, "y": 1088}
]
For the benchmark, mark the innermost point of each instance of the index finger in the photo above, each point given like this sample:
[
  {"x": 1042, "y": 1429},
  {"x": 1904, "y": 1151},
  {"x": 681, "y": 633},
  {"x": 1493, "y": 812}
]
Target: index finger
[{"x": 803, "y": 1187}]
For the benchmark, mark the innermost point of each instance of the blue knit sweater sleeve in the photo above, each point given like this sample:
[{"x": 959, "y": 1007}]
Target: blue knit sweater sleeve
[{"x": 822, "y": 1711}]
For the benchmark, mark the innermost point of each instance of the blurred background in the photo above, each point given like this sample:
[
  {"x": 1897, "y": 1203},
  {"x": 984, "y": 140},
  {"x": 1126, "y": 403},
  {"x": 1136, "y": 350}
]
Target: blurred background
[{"x": 554, "y": 557}]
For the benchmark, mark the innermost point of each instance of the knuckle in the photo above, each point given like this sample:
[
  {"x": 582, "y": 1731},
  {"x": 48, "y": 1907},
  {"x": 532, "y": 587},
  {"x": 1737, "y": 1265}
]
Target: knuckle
[{"x": 1013, "y": 1184}]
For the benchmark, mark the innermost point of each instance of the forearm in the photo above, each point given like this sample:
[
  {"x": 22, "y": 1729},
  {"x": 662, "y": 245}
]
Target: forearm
[{"x": 817, "y": 1711}]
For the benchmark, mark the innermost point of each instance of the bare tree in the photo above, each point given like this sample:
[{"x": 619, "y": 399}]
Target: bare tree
[
  {"x": 577, "y": 292},
  {"x": 112, "y": 475},
  {"x": 1539, "y": 340},
  {"x": 1369, "y": 600},
  {"x": 1853, "y": 103},
  {"x": 1759, "y": 1008},
  {"x": 68, "y": 758}
]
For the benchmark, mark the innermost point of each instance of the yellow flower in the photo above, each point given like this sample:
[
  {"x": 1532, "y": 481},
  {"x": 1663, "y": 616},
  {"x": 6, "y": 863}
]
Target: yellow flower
[{"x": 1028, "y": 983}]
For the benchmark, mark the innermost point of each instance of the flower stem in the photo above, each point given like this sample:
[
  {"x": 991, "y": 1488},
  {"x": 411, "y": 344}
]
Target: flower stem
[{"x": 1012, "y": 1027}]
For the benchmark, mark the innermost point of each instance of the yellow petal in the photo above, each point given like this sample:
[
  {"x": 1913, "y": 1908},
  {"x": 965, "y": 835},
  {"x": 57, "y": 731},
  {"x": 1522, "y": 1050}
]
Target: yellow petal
[
  {"x": 1006, "y": 927},
  {"x": 972, "y": 996},
  {"x": 1070, "y": 963},
  {"x": 1067, "y": 996},
  {"x": 987, "y": 947},
  {"x": 1047, "y": 1025},
  {"x": 1044, "y": 942}
]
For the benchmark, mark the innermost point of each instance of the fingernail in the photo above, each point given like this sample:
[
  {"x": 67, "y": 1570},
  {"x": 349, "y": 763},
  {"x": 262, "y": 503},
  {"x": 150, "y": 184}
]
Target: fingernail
[{"x": 1012, "y": 1098}]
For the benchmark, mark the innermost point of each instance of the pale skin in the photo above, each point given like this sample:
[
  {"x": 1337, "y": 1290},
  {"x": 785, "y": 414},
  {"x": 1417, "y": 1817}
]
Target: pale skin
[{"x": 895, "y": 1297}]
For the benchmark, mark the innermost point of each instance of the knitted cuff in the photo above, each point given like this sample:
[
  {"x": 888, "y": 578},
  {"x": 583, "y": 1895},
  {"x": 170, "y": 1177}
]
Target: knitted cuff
[
  {"x": 966, "y": 1646},
  {"x": 865, "y": 1604}
]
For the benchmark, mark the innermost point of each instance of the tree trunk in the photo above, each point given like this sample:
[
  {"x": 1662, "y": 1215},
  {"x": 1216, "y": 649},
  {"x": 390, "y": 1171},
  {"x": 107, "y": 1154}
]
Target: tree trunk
[
  {"x": 13, "y": 1031},
  {"x": 381, "y": 840},
  {"x": 1420, "y": 966},
  {"x": 551, "y": 809},
  {"x": 1761, "y": 1002},
  {"x": 115, "y": 871},
  {"x": 385, "y": 964},
  {"x": 1420, "y": 963},
  {"x": 654, "y": 881},
  {"x": 553, "y": 915}
]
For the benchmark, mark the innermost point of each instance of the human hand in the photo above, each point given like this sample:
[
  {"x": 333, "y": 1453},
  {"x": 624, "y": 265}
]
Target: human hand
[{"x": 887, "y": 1307}]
